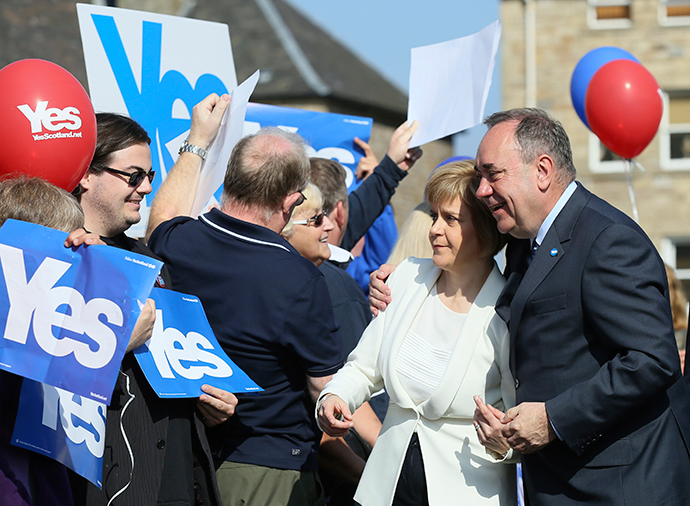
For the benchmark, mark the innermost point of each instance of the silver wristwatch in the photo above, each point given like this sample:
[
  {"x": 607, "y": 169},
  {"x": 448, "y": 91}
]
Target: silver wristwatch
[{"x": 191, "y": 148}]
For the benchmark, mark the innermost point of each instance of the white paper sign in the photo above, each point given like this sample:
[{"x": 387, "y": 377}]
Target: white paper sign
[
  {"x": 449, "y": 84},
  {"x": 213, "y": 169},
  {"x": 154, "y": 68}
]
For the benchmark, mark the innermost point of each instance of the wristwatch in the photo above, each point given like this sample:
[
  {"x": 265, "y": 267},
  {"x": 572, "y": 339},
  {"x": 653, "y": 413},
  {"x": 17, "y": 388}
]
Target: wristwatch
[{"x": 191, "y": 148}]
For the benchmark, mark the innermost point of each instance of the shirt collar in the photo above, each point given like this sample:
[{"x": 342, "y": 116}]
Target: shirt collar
[
  {"x": 339, "y": 254},
  {"x": 562, "y": 201}
]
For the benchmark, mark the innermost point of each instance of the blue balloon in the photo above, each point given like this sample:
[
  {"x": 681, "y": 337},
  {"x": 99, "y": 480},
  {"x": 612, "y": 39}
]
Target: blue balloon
[{"x": 585, "y": 70}]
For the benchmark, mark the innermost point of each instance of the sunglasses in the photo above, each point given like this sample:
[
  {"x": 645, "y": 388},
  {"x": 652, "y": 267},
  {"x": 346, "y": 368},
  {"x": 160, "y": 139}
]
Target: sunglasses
[
  {"x": 316, "y": 220},
  {"x": 135, "y": 178}
]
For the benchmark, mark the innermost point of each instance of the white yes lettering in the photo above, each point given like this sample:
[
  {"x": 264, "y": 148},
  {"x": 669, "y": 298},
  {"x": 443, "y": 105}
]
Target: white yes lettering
[
  {"x": 83, "y": 420},
  {"x": 40, "y": 298},
  {"x": 170, "y": 347},
  {"x": 52, "y": 118}
]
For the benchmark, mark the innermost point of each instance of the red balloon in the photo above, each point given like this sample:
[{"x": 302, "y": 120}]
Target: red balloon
[
  {"x": 624, "y": 106},
  {"x": 47, "y": 123}
]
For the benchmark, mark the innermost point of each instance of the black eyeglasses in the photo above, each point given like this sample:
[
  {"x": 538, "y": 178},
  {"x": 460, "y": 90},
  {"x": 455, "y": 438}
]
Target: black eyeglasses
[
  {"x": 135, "y": 178},
  {"x": 316, "y": 220}
]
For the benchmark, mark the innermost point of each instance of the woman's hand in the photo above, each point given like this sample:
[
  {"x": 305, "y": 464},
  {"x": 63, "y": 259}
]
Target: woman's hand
[
  {"x": 335, "y": 418},
  {"x": 487, "y": 423}
]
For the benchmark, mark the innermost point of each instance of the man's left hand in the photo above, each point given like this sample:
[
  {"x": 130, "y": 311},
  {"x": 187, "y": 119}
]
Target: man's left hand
[
  {"x": 527, "y": 428},
  {"x": 216, "y": 405}
]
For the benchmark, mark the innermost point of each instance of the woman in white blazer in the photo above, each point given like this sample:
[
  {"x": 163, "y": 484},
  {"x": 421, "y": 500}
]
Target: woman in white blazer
[{"x": 438, "y": 344}]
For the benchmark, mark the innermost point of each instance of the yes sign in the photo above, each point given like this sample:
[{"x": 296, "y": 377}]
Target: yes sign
[
  {"x": 183, "y": 353},
  {"x": 65, "y": 426},
  {"x": 66, "y": 315}
]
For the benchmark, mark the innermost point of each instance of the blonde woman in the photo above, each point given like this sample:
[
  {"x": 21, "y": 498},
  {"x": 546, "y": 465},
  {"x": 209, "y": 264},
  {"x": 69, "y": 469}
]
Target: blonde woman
[{"x": 438, "y": 344}]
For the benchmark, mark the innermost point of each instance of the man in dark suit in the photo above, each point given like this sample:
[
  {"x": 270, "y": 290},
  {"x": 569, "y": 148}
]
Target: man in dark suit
[{"x": 601, "y": 415}]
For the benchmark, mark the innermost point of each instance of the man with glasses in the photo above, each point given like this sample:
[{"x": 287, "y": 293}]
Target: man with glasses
[
  {"x": 268, "y": 306},
  {"x": 156, "y": 449}
]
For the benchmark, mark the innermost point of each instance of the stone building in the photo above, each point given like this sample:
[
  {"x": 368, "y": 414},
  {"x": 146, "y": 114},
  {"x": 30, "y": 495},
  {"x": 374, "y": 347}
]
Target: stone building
[
  {"x": 301, "y": 65},
  {"x": 543, "y": 40}
]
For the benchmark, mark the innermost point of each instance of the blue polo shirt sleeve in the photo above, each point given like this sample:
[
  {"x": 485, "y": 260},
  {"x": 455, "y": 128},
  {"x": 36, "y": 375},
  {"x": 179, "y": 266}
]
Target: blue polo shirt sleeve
[{"x": 310, "y": 329}]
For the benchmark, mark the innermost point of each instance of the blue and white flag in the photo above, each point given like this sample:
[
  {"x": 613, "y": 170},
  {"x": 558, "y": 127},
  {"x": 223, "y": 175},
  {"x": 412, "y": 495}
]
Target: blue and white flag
[
  {"x": 66, "y": 314},
  {"x": 63, "y": 426},
  {"x": 183, "y": 353}
]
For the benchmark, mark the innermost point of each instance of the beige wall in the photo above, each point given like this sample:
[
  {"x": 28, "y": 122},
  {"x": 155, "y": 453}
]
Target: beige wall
[{"x": 563, "y": 37}]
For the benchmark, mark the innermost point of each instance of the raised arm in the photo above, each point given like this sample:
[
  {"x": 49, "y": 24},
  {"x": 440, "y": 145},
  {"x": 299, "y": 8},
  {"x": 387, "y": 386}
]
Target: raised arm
[
  {"x": 176, "y": 194},
  {"x": 368, "y": 201}
]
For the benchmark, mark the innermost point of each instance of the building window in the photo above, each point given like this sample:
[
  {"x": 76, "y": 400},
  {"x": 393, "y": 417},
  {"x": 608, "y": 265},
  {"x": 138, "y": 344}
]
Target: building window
[
  {"x": 676, "y": 253},
  {"x": 601, "y": 159},
  {"x": 674, "y": 131},
  {"x": 609, "y": 13},
  {"x": 674, "y": 12}
]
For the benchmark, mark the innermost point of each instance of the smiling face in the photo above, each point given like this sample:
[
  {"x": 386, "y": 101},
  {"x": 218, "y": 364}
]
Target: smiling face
[
  {"x": 310, "y": 240},
  {"x": 110, "y": 204},
  {"x": 453, "y": 236},
  {"x": 508, "y": 186}
]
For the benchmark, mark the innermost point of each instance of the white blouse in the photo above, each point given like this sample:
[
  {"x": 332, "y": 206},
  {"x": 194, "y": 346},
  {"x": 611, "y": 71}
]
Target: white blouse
[{"x": 427, "y": 347}]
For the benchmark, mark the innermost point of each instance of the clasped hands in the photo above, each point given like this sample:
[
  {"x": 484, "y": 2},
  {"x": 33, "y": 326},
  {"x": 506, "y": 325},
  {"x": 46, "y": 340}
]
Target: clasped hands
[{"x": 524, "y": 428}]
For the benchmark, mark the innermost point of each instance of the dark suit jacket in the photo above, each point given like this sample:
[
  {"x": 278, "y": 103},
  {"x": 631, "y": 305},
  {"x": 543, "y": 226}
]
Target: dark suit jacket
[{"x": 592, "y": 337}]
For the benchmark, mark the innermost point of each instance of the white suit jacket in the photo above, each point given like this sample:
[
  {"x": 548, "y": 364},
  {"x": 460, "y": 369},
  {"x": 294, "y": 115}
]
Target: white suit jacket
[{"x": 458, "y": 469}]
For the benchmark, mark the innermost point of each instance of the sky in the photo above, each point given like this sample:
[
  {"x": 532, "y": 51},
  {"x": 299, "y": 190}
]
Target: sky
[{"x": 382, "y": 33}]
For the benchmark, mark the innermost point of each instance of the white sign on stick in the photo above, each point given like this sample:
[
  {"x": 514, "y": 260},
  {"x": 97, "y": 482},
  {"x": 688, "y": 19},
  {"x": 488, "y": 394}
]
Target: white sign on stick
[{"x": 449, "y": 84}]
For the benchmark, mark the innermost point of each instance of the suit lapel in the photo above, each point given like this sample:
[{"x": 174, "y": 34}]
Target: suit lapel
[
  {"x": 550, "y": 252},
  {"x": 516, "y": 264}
]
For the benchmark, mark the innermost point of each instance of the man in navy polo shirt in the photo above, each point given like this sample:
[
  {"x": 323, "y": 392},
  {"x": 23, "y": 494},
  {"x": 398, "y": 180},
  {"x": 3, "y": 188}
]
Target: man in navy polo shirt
[{"x": 268, "y": 306}]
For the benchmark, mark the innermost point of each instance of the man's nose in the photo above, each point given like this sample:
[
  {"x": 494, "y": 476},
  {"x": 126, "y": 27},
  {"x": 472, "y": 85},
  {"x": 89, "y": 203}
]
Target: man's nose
[{"x": 484, "y": 189}]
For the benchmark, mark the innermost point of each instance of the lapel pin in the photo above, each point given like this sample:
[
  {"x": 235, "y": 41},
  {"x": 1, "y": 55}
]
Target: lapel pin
[{"x": 554, "y": 252}]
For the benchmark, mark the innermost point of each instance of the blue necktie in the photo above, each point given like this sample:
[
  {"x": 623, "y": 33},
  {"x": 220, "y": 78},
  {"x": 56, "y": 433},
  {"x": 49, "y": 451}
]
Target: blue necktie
[{"x": 533, "y": 251}]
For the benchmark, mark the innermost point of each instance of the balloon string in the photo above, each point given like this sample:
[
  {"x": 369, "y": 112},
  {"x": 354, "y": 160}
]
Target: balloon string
[
  {"x": 631, "y": 191},
  {"x": 639, "y": 166}
]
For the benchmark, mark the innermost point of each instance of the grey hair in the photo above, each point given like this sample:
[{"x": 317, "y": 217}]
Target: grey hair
[
  {"x": 538, "y": 133},
  {"x": 37, "y": 201}
]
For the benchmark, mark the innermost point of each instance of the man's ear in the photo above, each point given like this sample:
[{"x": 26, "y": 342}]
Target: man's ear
[
  {"x": 339, "y": 215},
  {"x": 289, "y": 203},
  {"x": 546, "y": 172},
  {"x": 87, "y": 180}
]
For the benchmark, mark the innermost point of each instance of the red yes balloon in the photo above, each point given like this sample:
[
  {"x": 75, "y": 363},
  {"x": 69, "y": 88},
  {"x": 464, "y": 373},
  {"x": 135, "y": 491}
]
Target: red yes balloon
[
  {"x": 624, "y": 106},
  {"x": 47, "y": 123}
]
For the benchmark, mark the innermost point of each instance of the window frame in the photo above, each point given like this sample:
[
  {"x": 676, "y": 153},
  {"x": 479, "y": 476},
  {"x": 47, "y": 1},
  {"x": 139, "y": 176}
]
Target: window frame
[
  {"x": 665, "y": 131},
  {"x": 597, "y": 166},
  {"x": 666, "y": 20},
  {"x": 604, "y": 24},
  {"x": 668, "y": 250}
]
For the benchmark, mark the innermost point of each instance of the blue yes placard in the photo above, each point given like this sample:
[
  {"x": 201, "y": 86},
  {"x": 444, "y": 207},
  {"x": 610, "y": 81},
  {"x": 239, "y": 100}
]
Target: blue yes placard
[
  {"x": 63, "y": 426},
  {"x": 183, "y": 353},
  {"x": 66, "y": 314}
]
